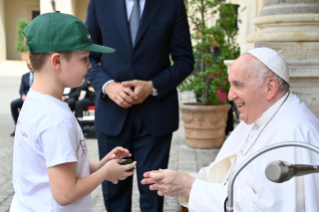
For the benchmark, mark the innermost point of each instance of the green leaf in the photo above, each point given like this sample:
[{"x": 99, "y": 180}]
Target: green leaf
[
  {"x": 22, "y": 24},
  {"x": 212, "y": 75}
]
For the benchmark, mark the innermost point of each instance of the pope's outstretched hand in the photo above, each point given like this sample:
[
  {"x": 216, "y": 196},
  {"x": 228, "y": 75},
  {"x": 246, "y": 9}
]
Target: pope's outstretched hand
[{"x": 169, "y": 182}]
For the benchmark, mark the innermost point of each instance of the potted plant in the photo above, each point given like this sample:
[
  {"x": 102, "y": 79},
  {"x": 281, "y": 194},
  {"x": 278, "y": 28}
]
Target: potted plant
[
  {"x": 205, "y": 121},
  {"x": 22, "y": 24}
]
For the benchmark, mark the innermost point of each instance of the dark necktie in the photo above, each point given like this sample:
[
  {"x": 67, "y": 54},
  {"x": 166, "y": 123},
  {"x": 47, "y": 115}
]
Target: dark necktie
[{"x": 135, "y": 20}]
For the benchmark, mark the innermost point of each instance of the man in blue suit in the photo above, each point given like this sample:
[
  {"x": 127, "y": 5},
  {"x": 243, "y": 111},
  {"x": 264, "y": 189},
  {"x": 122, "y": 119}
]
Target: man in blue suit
[
  {"x": 137, "y": 105},
  {"x": 26, "y": 83}
]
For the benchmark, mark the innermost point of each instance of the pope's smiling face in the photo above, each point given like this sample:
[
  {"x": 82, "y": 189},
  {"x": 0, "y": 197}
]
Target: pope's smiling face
[{"x": 245, "y": 89}]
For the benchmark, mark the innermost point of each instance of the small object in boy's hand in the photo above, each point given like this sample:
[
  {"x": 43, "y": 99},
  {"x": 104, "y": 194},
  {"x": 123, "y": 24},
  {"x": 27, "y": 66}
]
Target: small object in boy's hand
[{"x": 127, "y": 161}]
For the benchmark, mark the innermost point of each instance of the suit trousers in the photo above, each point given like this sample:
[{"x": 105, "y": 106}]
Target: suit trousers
[
  {"x": 150, "y": 152},
  {"x": 15, "y": 106}
]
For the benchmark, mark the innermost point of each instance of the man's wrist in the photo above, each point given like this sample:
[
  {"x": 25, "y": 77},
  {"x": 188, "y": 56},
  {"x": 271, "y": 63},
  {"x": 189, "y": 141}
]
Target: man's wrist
[
  {"x": 104, "y": 86},
  {"x": 154, "y": 90},
  {"x": 188, "y": 187}
]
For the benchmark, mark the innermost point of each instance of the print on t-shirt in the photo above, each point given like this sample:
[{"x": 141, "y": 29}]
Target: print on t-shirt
[{"x": 83, "y": 145}]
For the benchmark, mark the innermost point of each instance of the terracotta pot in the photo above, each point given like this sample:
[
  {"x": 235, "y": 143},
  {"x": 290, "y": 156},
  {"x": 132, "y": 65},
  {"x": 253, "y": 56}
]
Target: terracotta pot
[
  {"x": 24, "y": 55},
  {"x": 204, "y": 124},
  {"x": 184, "y": 209}
]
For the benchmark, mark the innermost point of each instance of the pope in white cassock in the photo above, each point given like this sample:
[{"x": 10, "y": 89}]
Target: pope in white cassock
[{"x": 270, "y": 114}]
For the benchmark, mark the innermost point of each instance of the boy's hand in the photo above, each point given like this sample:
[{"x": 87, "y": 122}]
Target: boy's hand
[
  {"x": 116, "y": 172},
  {"x": 117, "y": 153}
]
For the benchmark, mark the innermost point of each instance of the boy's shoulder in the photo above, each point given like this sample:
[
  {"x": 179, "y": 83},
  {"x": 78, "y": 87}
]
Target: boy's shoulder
[{"x": 45, "y": 108}]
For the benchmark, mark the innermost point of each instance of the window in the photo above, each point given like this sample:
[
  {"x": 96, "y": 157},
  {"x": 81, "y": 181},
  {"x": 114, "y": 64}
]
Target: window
[{"x": 35, "y": 13}]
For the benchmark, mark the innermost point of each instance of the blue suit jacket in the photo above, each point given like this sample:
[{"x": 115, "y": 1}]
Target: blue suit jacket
[
  {"x": 163, "y": 30},
  {"x": 25, "y": 84}
]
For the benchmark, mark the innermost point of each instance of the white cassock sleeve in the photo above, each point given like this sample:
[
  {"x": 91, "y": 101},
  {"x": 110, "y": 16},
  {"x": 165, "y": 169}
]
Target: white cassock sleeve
[
  {"x": 207, "y": 196},
  {"x": 215, "y": 200}
]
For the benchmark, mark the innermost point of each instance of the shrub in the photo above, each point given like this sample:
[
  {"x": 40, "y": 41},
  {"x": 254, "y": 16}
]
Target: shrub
[{"x": 22, "y": 24}]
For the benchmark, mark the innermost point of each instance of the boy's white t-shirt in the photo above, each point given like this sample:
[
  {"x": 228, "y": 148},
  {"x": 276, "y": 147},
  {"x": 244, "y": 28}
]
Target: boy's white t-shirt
[{"x": 47, "y": 134}]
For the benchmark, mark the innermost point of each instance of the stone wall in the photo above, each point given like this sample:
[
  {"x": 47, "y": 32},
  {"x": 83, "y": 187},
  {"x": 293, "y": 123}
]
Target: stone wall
[{"x": 292, "y": 27}]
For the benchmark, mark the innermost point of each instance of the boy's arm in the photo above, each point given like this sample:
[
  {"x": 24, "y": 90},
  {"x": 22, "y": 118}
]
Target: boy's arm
[
  {"x": 116, "y": 153},
  {"x": 66, "y": 188},
  {"x": 94, "y": 166}
]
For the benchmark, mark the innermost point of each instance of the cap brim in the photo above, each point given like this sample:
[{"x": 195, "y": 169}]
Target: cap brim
[{"x": 99, "y": 49}]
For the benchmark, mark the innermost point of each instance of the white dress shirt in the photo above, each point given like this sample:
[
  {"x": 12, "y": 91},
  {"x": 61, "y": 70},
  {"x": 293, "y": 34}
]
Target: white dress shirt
[
  {"x": 129, "y": 8},
  {"x": 31, "y": 78}
]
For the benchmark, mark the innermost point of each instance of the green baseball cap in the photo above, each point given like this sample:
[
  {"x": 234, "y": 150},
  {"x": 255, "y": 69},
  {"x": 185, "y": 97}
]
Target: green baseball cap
[{"x": 59, "y": 32}]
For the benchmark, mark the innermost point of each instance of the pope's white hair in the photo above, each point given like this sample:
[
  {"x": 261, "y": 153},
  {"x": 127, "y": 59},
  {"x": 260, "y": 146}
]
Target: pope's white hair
[{"x": 264, "y": 73}]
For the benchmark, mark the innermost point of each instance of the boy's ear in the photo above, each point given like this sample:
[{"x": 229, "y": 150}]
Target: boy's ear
[{"x": 56, "y": 61}]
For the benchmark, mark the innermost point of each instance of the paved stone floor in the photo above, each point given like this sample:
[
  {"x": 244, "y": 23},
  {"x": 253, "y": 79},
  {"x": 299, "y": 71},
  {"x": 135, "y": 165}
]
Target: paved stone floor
[{"x": 182, "y": 157}]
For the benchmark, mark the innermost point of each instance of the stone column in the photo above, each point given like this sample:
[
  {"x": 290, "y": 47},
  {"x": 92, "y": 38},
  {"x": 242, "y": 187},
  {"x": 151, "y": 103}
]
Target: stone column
[
  {"x": 45, "y": 6},
  {"x": 69, "y": 6},
  {"x": 64, "y": 6},
  {"x": 292, "y": 27},
  {"x": 3, "y": 50}
]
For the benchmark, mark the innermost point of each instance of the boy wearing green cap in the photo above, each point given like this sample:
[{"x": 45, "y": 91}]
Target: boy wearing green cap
[{"x": 51, "y": 170}]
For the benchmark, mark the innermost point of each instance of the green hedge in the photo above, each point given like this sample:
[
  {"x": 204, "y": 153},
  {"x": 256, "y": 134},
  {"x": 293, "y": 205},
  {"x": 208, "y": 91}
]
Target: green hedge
[{"x": 22, "y": 24}]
